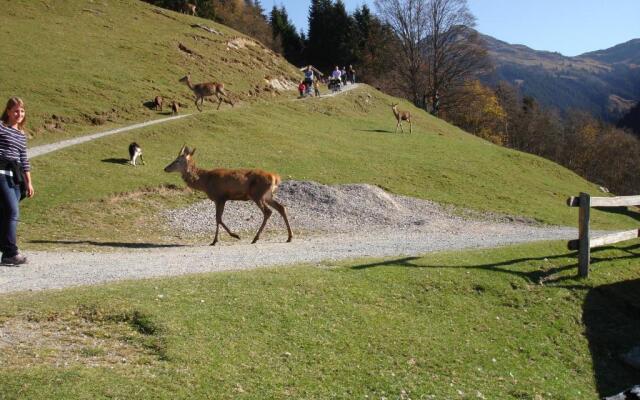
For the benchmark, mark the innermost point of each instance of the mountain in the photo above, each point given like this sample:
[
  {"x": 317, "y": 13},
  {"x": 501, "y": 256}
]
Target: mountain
[{"x": 605, "y": 82}]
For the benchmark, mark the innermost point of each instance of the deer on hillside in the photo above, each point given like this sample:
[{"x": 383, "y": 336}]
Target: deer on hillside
[
  {"x": 222, "y": 185},
  {"x": 157, "y": 103},
  {"x": 401, "y": 116},
  {"x": 174, "y": 108},
  {"x": 189, "y": 8},
  {"x": 202, "y": 90}
]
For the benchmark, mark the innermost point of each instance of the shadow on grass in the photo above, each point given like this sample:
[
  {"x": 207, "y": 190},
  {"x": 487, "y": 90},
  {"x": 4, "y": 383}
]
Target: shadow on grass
[
  {"x": 611, "y": 315},
  {"x": 634, "y": 214},
  {"x": 122, "y": 161},
  {"x": 108, "y": 244},
  {"x": 375, "y": 130},
  {"x": 545, "y": 275}
]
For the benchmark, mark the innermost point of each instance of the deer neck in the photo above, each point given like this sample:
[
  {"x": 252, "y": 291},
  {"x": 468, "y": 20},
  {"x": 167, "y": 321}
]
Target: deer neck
[
  {"x": 191, "y": 176},
  {"x": 189, "y": 84},
  {"x": 396, "y": 112}
]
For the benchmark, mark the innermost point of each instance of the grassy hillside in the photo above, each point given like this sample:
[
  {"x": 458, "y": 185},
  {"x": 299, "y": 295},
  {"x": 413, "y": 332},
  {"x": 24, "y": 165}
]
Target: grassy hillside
[
  {"x": 508, "y": 323},
  {"x": 93, "y": 64},
  {"x": 100, "y": 62}
]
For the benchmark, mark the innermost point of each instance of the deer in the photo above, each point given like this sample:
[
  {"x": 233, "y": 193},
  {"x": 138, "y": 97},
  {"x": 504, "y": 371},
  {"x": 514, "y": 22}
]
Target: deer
[
  {"x": 401, "y": 116},
  {"x": 189, "y": 8},
  {"x": 202, "y": 90},
  {"x": 223, "y": 184},
  {"x": 157, "y": 103},
  {"x": 174, "y": 108}
]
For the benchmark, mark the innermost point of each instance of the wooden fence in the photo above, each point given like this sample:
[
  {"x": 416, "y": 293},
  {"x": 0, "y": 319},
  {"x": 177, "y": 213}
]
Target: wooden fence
[{"x": 584, "y": 244}]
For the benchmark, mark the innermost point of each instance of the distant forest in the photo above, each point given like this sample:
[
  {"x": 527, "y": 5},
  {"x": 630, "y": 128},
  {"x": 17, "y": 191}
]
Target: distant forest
[{"x": 408, "y": 60}]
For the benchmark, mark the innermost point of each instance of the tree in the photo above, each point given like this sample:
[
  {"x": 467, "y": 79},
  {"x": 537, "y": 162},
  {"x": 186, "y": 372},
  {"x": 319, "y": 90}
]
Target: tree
[
  {"x": 408, "y": 19},
  {"x": 285, "y": 36},
  {"x": 439, "y": 50}
]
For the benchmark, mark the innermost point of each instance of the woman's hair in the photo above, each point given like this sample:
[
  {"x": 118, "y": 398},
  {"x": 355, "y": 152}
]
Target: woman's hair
[{"x": 14, "y": 101}]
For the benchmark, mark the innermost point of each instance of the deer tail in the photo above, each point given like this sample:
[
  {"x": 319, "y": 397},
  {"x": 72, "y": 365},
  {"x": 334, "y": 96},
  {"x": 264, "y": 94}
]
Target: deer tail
[{"x": 275, "y": 181}]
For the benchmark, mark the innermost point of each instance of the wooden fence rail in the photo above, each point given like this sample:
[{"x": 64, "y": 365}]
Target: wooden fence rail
[{"x": 584, "y": 243}]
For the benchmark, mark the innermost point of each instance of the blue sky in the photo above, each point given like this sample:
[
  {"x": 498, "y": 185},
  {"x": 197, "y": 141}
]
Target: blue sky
[{"x": 570, "y": 27}]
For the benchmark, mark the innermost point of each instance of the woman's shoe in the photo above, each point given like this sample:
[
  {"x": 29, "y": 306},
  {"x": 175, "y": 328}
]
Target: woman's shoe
[{"x": 15, "y": 260}]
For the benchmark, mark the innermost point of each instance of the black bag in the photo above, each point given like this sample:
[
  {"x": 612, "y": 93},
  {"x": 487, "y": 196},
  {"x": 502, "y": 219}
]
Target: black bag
[{"x": 18, "y": 176}]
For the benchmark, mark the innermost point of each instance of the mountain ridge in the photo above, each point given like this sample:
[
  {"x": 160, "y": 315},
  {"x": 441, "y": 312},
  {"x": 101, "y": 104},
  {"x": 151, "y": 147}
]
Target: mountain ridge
[{"x": 604, "y": 82}]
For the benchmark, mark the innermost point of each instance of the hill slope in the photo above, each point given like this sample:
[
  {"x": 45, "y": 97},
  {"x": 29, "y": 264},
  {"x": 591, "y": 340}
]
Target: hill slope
[
  {"x": 605, "y": 83},
  {"x": 347, "y": 139},
  {"x": 80, "y": 64}
]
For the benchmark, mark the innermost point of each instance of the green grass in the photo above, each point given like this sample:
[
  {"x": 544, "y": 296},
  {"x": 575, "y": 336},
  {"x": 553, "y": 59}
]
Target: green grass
[
  {"x": 342, "y": 140},
  {"x": 505, "y": 323},
  {"x": 113, "y": 58}
]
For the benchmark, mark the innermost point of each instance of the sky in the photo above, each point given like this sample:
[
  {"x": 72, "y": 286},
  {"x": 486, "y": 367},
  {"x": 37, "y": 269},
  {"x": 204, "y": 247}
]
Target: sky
[{"x": 570, "y": 27}]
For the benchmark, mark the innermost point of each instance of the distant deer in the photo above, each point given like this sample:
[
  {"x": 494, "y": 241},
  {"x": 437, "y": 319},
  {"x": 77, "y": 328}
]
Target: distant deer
[
  {"x": 174, "y": 108},
  {"x": 157, "y": 103},
  {"x": 202, "y": 90},
  {"x": 222, "y": 185},
  {"x": 189, "y": 8},
  {"x": 401, "y": 116}
]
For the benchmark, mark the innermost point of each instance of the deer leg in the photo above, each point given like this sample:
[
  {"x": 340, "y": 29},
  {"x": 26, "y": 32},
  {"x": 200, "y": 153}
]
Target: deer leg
[
  {"x": 280, "y": 209},
  {"x": 266, "y": 211},
  {"x": 197, "y": 106},
  {"x": 219, "y": 102},
  {"x": 397, "y": 126},
  {"x": 219, "y": 211},
  {"x": 410, "y": 127},
  {"x": 401, "y": 128}
]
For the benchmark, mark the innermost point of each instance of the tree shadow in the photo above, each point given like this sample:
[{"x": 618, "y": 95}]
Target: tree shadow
[
  {"x": 611, "y": 315},
  {"x": 109, "y": 244},
  {"x": 626, "y": 211},
  {"x": 122, "y": 161},
  {"x": 544, "y": 275}
]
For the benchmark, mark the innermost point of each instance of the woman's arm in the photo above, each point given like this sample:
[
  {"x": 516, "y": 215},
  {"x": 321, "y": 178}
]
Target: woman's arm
[{"x": 27, "y": 177}]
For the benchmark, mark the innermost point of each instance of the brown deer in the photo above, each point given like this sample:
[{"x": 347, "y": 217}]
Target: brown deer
[
  {"x": 157, "y": 103},
  {"x": 174, "y": 108},
  {"x": 202, "y": 90},
  {"x": 401, "y": 116},
  {"x": 189, "y": 8},
  {"x": 222, "y": 185}
]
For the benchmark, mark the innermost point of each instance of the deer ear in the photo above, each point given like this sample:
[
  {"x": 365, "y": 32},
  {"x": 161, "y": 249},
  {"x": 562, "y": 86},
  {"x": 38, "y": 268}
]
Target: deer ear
[
  {"x": 192, "y": 151},
  {"x": 181, "y": 152}
]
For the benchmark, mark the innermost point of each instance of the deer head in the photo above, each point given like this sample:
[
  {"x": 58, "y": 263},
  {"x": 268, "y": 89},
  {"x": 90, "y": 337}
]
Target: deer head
[{"x": 182, "y": 162}]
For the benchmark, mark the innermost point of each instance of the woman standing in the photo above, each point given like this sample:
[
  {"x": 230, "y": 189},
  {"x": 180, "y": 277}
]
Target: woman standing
[{"x": 14, "y": 166}]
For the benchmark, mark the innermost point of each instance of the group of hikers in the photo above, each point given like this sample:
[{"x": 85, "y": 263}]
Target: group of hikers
[{"x": 313, "y": 78}]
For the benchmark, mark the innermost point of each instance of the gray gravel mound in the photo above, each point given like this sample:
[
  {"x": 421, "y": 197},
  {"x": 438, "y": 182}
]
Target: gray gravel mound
[{"x": 313, "y": 207}]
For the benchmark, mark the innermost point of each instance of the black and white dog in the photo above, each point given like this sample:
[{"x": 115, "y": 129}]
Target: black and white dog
[
  {"x": 135, "y": 151},
  {"x": 632, "y": 393}
]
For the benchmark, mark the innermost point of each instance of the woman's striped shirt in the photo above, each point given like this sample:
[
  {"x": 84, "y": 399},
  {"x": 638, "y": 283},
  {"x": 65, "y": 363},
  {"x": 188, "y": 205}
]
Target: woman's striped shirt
[{"x": 13, "y": 146}]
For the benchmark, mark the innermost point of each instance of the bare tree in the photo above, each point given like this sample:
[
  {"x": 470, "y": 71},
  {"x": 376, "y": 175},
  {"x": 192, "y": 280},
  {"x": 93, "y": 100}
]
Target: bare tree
[
  {"x": 440, "y": 51},
  {"x": 454, "y": 50},
  {"x": 409, "y": 21}
]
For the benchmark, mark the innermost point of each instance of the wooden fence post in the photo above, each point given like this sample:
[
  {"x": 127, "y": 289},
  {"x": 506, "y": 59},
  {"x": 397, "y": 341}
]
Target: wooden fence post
[{"x": 584, "y": 250}]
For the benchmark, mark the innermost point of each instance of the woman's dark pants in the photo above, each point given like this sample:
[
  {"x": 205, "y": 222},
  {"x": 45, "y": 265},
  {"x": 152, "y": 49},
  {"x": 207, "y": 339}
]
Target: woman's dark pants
[{"x": 9, "y": 214}]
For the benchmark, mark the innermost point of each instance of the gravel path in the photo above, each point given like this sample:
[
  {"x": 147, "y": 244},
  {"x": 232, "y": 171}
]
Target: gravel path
[{"x": 330, "y": 223}]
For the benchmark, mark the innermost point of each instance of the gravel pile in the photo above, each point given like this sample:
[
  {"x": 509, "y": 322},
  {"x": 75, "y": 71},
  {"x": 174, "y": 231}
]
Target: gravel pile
[{"x": 313, "y": 207}]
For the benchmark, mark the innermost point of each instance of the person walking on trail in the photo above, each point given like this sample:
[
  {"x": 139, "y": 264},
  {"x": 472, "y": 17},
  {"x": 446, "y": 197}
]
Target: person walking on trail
[
  {"x": 302, "y": 88},
  {"x": 343, "y": 75},
  {"x": 308, "y": 79},
  {"x": 316, "y": 87},
  {"x": 352, "y": 74},
  {"x": 15, "y": 171}
]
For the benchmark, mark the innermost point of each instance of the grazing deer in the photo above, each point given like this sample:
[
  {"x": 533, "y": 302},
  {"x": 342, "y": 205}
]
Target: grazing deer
[
  {"x": 174, "y": 108},
  {"x": 202, "y": 90},
  {"x": 189, "y": 8},
  {"x": 157, "y": 103},
  {"x": 401, "y": 116},
  {"x": 222, "y": 185}
]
